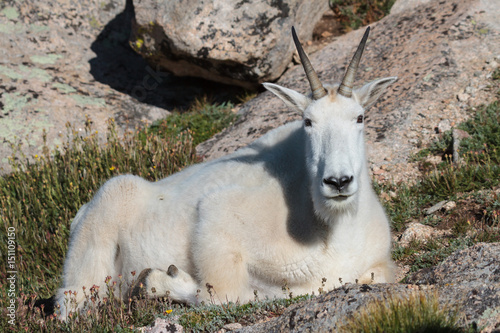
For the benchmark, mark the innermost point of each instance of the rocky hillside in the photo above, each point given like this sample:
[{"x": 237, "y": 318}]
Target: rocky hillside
[
  {"x": 80, "y": 64},
  {"x": 444, "y": 54}
]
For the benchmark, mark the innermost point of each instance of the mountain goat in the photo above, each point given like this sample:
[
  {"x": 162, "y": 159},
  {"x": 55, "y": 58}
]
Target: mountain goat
[{"x": 294, "y": 207}]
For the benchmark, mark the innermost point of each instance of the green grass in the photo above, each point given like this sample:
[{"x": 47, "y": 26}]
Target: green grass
[
  {"x": 418, "y": 312},
  {"x": 479, "y": 170},
  {"x": 203, "y": 118},
  {"x": 427, "y": 254},
  {"x": 210, "y": 318}
]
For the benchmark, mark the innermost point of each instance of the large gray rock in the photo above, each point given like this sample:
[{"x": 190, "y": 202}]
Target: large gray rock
[
  {"x": 51, "y": 65},
  {"x": 471, "y": 279},
  {"x": 236, "y": 42},
  {"x": 63, "y": 60}
]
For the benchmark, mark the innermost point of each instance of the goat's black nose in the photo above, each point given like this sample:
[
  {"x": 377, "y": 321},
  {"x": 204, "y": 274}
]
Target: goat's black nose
[{"x": 339, "y": 184}]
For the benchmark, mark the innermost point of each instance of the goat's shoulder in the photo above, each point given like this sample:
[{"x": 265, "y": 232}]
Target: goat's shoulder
[
  {"x": 257, "y": 164},
  {"x": 281, "y": 135}
]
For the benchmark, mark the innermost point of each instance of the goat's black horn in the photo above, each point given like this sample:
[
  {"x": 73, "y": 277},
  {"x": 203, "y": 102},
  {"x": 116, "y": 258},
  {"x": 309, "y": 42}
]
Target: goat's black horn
[
  {"x": 347, "y": 84},
  {"x": 317, "y": 88}
]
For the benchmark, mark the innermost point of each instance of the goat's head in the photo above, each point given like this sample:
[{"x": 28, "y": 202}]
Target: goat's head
[{"x": 333, "y": 120}]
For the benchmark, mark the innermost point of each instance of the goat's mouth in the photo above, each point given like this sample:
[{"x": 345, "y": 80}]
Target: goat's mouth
[
  {"x": 330, "y": 196},
  {"x": 340, "y": 197},
  {"x": 340, "y": 201}
]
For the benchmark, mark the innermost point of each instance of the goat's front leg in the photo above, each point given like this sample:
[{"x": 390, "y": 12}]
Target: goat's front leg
[{"x": 382, "y": 272}]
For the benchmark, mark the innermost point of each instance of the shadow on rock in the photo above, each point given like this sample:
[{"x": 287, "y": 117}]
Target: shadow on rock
[{"x": 120, "y": 67}]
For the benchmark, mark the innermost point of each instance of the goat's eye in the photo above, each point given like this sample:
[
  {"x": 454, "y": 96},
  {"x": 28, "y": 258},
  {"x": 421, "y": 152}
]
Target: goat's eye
[
  {"x": 307, "y": 122},
  {"x": 360, "y": 119}
]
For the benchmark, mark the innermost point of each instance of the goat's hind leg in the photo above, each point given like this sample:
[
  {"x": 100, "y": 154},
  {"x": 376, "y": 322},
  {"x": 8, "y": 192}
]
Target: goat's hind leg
[
  {"x": 174, "y": 283},
  {"x": 93, "y": 252}
]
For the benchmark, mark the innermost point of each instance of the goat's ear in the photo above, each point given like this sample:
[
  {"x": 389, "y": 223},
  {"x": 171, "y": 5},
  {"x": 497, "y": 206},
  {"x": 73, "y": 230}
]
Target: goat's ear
[
  {"x": 292, "y": 99},
  {"x": 370, "y": 92}
]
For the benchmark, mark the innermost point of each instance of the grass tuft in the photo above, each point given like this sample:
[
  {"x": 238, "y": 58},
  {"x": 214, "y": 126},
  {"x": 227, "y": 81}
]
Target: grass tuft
[
  {"x": 418, "y": 313},
  {"x": 353, "y": 14},
  {"x": 203, "y": 120}
]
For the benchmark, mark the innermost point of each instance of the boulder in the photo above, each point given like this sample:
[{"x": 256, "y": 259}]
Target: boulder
[{"x": 235, "y": 42}]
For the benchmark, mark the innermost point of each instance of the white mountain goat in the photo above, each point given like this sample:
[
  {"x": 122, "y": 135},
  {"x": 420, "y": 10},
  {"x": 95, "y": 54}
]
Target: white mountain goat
[{"x": 294, "y": 207}]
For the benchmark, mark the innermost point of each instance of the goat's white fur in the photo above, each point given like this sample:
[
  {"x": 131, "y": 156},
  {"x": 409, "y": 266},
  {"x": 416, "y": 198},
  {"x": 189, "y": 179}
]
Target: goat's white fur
[{"x": 253, "y": 220}]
